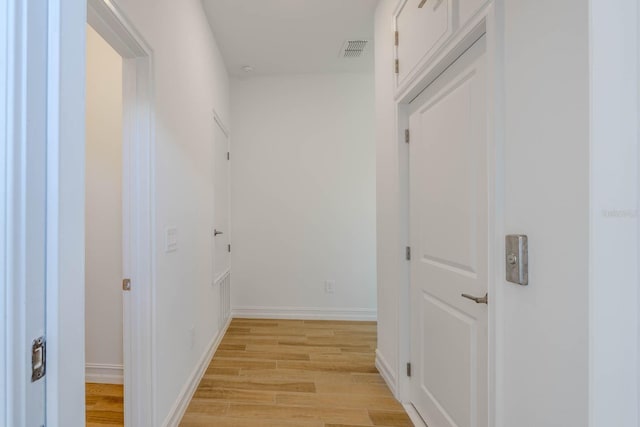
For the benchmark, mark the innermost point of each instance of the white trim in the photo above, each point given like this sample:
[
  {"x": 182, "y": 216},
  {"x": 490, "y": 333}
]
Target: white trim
[
  {"x": 24, "y": 191},
  {"x": 416, "y": 419},
  {"x": 186, "y": 394},
  {"x": 102, "y": 373},
  {"x": 5, "y": 320},
  {"x": 305, "y": 313},
  {"x": 65, "y": 395},
  {"x": 387, "y": 374}
]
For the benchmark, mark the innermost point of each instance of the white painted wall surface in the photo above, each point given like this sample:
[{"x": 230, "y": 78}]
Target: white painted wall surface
[
  {"x": 614, "y": 84},
  {"x": 103, "y": 201},
  {"x": 303, "y": 192},
  {"x": 190, "y": 81},
  {"x": 544, "y": 356}
]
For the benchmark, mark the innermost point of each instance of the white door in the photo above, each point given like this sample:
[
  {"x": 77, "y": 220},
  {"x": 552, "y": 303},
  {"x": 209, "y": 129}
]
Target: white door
[
  {"x": 422, "y": 26},
  {"x": 23, "y": 189},
  {"x": 221, "y": 257},
  {"x": 449, "y": 243}
]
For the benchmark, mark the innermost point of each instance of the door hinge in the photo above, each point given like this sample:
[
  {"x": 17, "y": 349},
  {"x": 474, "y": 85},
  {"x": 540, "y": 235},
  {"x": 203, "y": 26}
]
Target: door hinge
[
  {"x": 397, "y": 38},
  {"x": 228, "y": 156},
  {"x": 407, "y": 253},
  {"x": 409, "y": 369},
  {"x": 126, "y": 284},
  {"x": 229, "y": 248},
  {"x": 397, "y": 66},
  {"x": 407, "y": 136},
  {"x": 38, "y": 359}
]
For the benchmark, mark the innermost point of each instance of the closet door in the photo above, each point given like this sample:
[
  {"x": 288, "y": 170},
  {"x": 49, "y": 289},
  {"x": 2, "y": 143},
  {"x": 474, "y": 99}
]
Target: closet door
[
  {"x": 221, "y": 232},
  {"x": 450, "y": 248},
  {"x": 422, "y": 25}
]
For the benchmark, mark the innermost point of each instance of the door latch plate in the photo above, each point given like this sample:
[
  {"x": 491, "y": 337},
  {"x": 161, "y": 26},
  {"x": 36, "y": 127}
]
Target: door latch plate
[{"x": 38, "y": 359}]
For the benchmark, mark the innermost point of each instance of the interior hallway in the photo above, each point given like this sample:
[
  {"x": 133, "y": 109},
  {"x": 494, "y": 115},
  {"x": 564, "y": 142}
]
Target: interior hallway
[
  {"x": 281, "y": 373},
  {"x": 295, "y": 373}
]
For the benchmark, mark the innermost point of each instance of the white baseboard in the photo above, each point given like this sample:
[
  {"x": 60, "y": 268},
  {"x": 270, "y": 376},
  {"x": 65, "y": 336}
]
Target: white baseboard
[
  {"x": 103, "y": 373},
  {"x": 186, "y": 394},
  {"x": 306, "y": 313},
  {"x": 416, "y": 419},
  {"x": 387, "y": 373}
]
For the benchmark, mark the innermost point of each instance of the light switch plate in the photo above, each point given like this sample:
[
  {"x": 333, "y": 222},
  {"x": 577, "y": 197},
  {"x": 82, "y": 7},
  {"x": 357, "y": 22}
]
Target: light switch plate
[
  {"x": 517, "y": 259},
  {"x": 171, "y": 240}
]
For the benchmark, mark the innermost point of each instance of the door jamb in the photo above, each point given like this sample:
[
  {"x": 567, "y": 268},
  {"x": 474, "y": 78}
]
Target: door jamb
[
  {"x": 23, "y": 123},
  {"x": 138, "y": 201},
  {"x": 4, "y": 318},
  {"x": 487, "y": 21}
]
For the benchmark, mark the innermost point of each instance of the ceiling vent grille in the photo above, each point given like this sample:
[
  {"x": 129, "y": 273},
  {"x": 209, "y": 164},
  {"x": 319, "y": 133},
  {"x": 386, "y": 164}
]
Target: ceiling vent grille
[{"x": 353, "y": 48}]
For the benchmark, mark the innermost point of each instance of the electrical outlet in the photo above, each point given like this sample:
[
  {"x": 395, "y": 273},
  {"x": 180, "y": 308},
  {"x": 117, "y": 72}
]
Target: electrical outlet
[{"x": 329, "y": 286}]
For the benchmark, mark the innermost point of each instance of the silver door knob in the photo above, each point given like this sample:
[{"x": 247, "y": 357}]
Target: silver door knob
[
  {"x": 216, "y": 232},
  {"x": 478, "y": 300}
]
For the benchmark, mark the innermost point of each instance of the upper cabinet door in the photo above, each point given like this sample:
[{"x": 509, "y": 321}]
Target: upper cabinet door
[
  {"x": 468, "y": 8},
  {"x": 422, "y": 26}
]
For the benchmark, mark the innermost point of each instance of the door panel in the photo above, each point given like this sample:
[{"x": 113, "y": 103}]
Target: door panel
[
  {"x": 421, "y": 29},
  {"x": 468, "y": 8},
  {"x": 222, "y": 259},
  {"x": 449, "y": 240}
]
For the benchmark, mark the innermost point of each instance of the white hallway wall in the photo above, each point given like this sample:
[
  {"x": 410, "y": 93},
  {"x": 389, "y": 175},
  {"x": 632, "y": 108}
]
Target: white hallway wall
[
  {"x": 190, "y": 81},
  {"x": 103, "y": 201},
  {"x": 303, "y": 194}
]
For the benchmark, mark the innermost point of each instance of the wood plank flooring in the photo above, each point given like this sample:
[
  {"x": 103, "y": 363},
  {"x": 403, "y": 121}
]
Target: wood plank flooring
[
  {"x": 281, "y": 373},
  {"x": 295, "y": 373},
  {"x": 105, "y": 405}
]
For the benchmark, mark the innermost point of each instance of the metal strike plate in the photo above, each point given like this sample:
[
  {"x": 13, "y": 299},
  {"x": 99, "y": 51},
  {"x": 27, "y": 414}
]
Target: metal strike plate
[
  {"x": 38, "y": 359},
  {"x": 517, "y": 259}
]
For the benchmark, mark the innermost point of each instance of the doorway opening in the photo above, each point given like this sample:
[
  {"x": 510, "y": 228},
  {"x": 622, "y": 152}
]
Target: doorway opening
[
  {"x": 104, "y": 358},
  {"x": 132, "y": 162}
]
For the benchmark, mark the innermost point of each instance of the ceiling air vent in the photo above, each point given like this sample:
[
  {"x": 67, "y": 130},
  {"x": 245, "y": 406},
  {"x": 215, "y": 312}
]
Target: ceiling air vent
[{"x": 353, "y": 48}]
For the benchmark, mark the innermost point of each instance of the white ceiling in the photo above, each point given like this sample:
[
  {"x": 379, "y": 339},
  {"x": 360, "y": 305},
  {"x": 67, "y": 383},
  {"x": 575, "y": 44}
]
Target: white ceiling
[{"x": 291, "y": 36}]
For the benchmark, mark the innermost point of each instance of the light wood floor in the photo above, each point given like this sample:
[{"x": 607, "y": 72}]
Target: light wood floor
[
  {"x": 295, "y": 373},
  {"x": 105, "y": 405},
  {"x": 281, "y": 373}
]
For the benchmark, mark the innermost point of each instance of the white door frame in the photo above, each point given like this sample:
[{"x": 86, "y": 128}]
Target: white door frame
[
  {"x": 484, "y": 23},
  {"x": 66, "y": 33},
  {"x": 4, "y": 318},
  {"x": 137, "y": 206},
  {"x": 23, "y": 120}
]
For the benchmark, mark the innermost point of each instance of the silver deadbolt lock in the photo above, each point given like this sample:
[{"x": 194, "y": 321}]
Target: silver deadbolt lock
[{"x": 517, "y": 259}]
